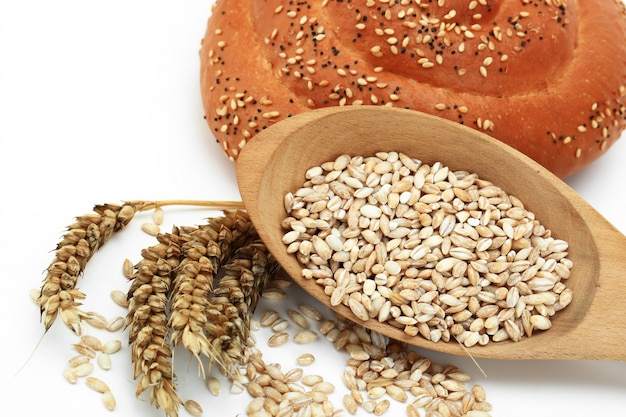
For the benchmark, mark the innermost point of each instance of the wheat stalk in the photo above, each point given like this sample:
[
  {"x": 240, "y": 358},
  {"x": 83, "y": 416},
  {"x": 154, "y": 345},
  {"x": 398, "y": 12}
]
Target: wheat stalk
[
  {"x": 175, "y": 296},
  {"x": 147, "y": 319},
  {"x": 59, "y": 294}
]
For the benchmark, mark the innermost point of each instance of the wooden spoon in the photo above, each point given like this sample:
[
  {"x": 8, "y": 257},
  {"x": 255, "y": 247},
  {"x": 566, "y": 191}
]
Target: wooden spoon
[{"x": 593, "y": 326}]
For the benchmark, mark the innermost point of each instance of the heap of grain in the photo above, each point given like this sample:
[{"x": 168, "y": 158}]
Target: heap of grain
[{"x": 439, "y": 253}]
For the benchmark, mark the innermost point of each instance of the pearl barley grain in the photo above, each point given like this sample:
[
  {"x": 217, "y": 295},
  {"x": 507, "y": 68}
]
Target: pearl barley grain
[{"x": 425, "y": 248}]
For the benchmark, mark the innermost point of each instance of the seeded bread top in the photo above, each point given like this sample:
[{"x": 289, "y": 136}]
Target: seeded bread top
[{"x": 547, "y": 77}]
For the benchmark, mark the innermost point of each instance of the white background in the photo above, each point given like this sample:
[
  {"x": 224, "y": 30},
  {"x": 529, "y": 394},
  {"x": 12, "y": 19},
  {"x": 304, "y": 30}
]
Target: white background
[{"x": 99, "y": 102}]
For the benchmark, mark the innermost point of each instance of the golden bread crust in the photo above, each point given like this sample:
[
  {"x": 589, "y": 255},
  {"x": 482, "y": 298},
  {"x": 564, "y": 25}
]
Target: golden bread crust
[{"x": 548, "y": 77}]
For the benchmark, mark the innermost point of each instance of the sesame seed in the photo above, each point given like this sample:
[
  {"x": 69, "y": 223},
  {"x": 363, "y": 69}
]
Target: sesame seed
[
  {"x": 271, "y": 114},
  {"x": 604, "y": 145},
  {"x": 376, "y": 51},
  {"x": 440, "y": 106}
]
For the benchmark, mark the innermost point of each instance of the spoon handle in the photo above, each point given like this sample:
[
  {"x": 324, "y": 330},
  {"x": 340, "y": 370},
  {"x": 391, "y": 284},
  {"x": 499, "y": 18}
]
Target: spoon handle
[{"x": 601, "y": 331}]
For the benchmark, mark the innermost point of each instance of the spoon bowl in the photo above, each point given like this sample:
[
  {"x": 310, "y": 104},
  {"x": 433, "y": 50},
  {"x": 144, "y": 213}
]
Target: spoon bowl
[{"x": 593, "y": 326}]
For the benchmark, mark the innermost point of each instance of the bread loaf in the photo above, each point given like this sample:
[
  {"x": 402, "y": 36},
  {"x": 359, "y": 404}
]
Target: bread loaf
[{"x": 548, "y": 77}]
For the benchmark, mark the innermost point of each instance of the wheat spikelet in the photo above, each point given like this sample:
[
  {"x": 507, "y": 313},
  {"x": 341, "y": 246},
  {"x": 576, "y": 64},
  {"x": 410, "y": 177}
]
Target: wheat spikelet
[
  {"x": 204, "y": 252},
  {"x": 244, "y": 278},
  {"x": 147, "y": 321},
  {"x": 59, "y": 295},
  {"x": 189, "y": 299}
]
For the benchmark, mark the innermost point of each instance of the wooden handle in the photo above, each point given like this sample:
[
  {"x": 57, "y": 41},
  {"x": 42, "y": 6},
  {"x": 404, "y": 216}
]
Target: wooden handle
[{"x": 601, "y": 332}]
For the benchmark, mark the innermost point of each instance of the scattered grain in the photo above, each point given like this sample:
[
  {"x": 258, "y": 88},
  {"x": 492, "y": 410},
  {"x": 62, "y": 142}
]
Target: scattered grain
[
  {"x": 157, "y": 215},
  {"x": 151, "y": 229},
  {"x": 304, "y": 337},
  {"x": 298, "y": 318},
  {"x": 97, "y": 384},
  {"x": 193, "y": 408},
  {"x": 305, "y": 359},
  {"x": 70, "y": 376},
  {"x": 92, "y": 342},
  {"x": 104, "y": 361},
  {"x": 119, "y": 298},
  {"x": 112, "y": 346},
  {"x": 214, "y": 385},
  {"x": 278, "y": 339},
  {"x": 83, "y": 370},
  {"x": 109, "y": 400},
  {"x": 115, "y": 324}
]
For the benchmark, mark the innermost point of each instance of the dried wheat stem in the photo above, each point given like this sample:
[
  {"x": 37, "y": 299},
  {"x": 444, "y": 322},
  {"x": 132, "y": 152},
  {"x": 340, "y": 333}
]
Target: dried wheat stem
[
  {"x": 235, "y": 297},
  {"x": 208, "y": 246},
  {"x": 189, "y": 300},
  {"x": 147, "y": 320},
  {"x": 58, "y": 293},
  {"x": 245, "y": 277},
  {"x": 211, "y": 204},
  {"x": 83, "y": 238}
]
